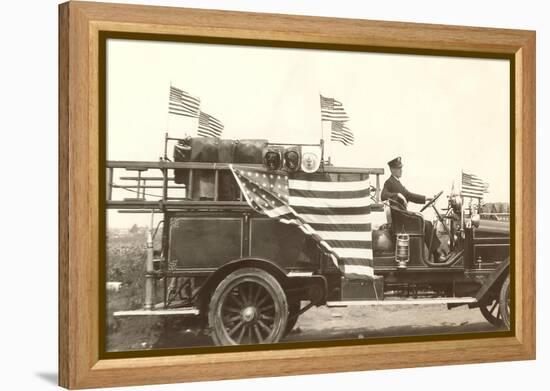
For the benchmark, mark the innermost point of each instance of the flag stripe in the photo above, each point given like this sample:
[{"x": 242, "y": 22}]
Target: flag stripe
[
  {"x": 182, "y": 114},
  {"x": 344, "y": 227},
  {"x": 205, "y": 132},
  {"x": 480, "y": 188},
  {"x": 336, "y": 219},
  {"x": 180, "y": 110},
  {"x": 315, "y": 210},
  {"x": 328, "y": 186},
  {"x": 342, "y": 134},
  {"x": 332, "y": 115},
  {"x": 329, "y": 202},
  {"x": 351, "y": 261},
  {"x": 341, "y": 137},
  {"x": 354, "y": 253},
  {"x": 362, "y": 244},
  {"x": 191, "y": 104},
  {"x": 332, "y": 195},
  {"x": 345, "y": 235}
]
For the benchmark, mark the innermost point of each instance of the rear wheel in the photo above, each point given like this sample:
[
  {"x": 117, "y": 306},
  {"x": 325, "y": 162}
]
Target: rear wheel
[
  {"x": 504, "y": 302},
  {"x": 248, "y": 307}
]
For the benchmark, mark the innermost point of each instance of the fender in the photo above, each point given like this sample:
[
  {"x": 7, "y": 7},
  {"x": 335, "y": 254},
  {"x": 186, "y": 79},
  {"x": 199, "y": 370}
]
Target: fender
[
  {"x": 215, "y": 278},
  {"x": 495, "y": 278},
  {"x": 274, "y": 269}
]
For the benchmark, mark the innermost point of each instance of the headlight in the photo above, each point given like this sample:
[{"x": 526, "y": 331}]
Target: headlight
[
  {"x": 311, "y": 158},
  {"x": 475, "y": 220},
  {"x": 272, "y": 159},
  {"x": 292, "y": 159},
  {"x": 456, "y": 204}
]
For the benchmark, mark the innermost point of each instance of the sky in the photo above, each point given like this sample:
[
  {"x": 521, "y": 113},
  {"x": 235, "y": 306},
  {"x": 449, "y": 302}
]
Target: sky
[{"x": 441, "y": 114}]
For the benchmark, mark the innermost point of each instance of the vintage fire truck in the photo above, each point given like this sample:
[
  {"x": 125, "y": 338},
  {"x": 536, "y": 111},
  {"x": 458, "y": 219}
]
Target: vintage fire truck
[{"x": 247, "y": 277}]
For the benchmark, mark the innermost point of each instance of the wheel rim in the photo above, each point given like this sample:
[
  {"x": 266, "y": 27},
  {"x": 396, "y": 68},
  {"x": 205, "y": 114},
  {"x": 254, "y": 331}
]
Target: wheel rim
[
  {"x": 492, "y": 312},
  {"x": 507, "y": 306},
  {"x": 505, "y": 303},
  {"x": 248, "y": 313}
]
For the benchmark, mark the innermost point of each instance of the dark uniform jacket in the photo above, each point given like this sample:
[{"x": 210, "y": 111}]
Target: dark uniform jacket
[{"x": 393, "y": 186}]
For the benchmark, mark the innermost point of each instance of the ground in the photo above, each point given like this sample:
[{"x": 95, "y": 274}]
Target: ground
[
  {"x": 317, "y": 324},
  {"x": 125, "y": 264}
]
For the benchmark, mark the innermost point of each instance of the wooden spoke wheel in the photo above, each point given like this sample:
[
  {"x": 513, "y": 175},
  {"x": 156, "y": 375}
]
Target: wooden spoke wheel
[
  {"x": 294, "y": 307},
  {"x": 504, "y": 303},
  {"x": 248, "y": 307},
  {"x": 491, "y": 311}
]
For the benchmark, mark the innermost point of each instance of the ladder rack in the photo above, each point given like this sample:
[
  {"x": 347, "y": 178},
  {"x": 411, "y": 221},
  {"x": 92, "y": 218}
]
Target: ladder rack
[{"x": 161, "y": 193}]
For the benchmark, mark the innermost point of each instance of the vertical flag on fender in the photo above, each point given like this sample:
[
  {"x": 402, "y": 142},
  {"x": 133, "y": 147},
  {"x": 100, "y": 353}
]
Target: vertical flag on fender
[
  {"x": 473, "y": 186},
  {"x": 181, "y": 103},
  {"x": 209, "y": 126},
  {"x": 337, "y": 215}
]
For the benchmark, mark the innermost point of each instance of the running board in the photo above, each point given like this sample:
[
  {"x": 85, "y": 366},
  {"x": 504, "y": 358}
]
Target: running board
[
  {"x": 442, "y": 300},
  {"x": 191, "y": 311}
]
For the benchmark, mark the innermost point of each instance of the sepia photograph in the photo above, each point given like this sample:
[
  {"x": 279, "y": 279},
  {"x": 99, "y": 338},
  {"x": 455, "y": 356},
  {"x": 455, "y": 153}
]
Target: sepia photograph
[{"x": 263, "y": 194}]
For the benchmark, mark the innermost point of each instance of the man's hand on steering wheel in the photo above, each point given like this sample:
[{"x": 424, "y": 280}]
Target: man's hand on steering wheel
[{"x": 431, "y": 201}]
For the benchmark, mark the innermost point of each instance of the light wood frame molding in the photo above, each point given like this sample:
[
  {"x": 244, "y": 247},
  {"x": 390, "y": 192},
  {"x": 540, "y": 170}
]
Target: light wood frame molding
[{"x": 80, "y": 365}]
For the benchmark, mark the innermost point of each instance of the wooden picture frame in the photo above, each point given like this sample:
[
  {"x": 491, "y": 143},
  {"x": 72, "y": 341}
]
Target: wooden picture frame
[{"x": 80, "y": 26}]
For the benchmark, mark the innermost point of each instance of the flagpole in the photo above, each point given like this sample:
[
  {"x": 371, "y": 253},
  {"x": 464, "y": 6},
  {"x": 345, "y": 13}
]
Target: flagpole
[
  {"x": 167, "y": 124},
  {"x": 322, "y": 142},
  {"x": 461, "y": 195}
]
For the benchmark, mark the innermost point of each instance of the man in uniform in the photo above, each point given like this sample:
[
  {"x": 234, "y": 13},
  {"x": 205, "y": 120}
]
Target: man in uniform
[{"x": 394, "y": 190}]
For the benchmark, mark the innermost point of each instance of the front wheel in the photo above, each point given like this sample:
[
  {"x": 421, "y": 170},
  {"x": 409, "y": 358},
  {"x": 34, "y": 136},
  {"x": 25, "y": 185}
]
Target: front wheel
[
  {"x": 504, "y": 302},
  {"x": 248, "y": 307},
  {"x": 491, "y": 311}
]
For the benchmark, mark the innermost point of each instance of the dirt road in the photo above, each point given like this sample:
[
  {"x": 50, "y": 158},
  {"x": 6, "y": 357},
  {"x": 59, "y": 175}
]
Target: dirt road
[{"x": 317, "y": 324}]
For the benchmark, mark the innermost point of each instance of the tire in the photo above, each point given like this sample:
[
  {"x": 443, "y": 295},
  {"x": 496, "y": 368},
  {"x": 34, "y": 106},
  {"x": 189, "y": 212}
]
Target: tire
[
  {"x": 490, "y": 310},
  {"x": 294, "y": 307},
  {"x": 504, "y": 303},
  {"x": 248, "y": 307}
]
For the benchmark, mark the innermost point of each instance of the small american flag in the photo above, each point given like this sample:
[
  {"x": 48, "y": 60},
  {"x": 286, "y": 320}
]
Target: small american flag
[
  {"x": 181, "y": 103},
  {"x": 340, "y": 132},
  {"x": 473, "y": 186},
  {"x": 332, "y": 110},
  {"x": 337, "y": 215},
  {"x": 209, "y": 126}
]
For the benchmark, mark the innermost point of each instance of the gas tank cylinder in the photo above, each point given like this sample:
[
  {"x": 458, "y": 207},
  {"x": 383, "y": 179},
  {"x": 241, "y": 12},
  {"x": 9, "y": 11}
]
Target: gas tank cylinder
[{"x": 402, "y": 250}]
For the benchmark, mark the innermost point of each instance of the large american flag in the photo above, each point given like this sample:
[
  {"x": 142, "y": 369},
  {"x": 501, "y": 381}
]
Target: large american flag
[
  {"x": 339, "y": 216},
  {"x": 181, "y": 103},
  {"x": 209, "y": 126},
  {"x": 473, "y": 186}
]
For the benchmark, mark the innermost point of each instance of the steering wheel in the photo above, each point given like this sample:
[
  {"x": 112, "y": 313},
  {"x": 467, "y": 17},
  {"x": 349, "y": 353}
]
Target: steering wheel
[{"x": 430, "y": 203}]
